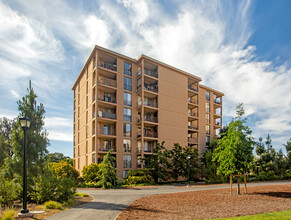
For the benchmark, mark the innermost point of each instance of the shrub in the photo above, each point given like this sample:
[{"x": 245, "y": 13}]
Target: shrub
[
  {"x": 90, "y": 172},
  {"x": 270, "y": 175},
  {"x": 136, "y": 177},
  {"x": 53, "y": 205},
  {"x": 49, "y": 187},
  {"x": 88, "y": 185},
  {"x": 9, "y": 191},
  {"x": 8, "y": 214},
  {"x": 82, "y": 194},
  {"x": 64, "y": 169}
]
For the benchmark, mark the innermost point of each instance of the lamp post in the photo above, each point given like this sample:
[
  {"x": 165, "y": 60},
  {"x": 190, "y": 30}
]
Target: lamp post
[
  {"x": 188, "y": 158},
  {"x": 25, "y": 124}
]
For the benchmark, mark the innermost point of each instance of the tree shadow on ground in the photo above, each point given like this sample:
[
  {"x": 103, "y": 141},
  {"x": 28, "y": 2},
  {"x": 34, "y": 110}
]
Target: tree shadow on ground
[{"x": 275, "y": 194}]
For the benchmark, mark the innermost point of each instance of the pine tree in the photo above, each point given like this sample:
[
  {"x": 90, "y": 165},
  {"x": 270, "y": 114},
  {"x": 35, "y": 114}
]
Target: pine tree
[{"x": 37, "y": 140}]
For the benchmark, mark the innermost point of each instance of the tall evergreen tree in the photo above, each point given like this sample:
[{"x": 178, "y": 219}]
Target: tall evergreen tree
[
  {"x": 37, "y": 140},
  {"x": 288, "y": 150},
  {"x": 6, "y": 127}
]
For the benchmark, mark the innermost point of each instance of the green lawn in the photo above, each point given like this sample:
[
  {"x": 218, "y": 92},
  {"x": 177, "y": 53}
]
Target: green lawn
[{"x": 284, "y": 215}]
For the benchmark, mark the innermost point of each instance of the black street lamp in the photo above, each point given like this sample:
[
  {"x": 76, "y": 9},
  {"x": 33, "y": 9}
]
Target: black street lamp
[
  {"x": 25, "y": 124},
  {"x": 188, "y": 158}
]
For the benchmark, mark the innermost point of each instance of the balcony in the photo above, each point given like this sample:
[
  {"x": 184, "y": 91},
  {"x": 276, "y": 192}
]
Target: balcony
[
  {"x": 217, "y": 101},
  {"x": 105, "y": 149},
  {"x": 192, "y": 140},
  {"x": 192, "y": 101},
  {"x": 110, "y": 99},
  {"x": 151, "y": 87},
  {"x": 152, "y": 73},
  {"x": 106, "y": 81},
  {"x": 192, "y": 127},
  {"x": 151, "y": 119},
  {"x": 109, "y": 66},
  {"x": 192, "y": 88},
  {"x": 102, "y": 114},
  {"x": 93, "y": 115},
  {"x": 110, "y": 132},
  {"x": 138, "y": 88},
  {"x": 139, "y": 73},
  {"x": 151, "y": 134}
]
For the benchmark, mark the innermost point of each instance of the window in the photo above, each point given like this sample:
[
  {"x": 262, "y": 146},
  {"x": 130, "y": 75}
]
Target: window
[
  {"x": 208, "y": 118},
  {"x": 138, "y": 84},
  {"x": 86, "y": 147},
  {"x": 93, "y": 144},
  {"x": 207, "y": 96},
  {"x": 127, "y": 130},
  {"x": 93, "y": 158},
  {"x": 148, "y": 146},
  {"x": 139, "y": 146},
  {"x": 126, "y": 145},
  {"x": 87, "y": 87},
  {"x": 126, "y": 161},
  {"x": 127, "y": 99},
  {"x": 127, "y": 84},
  {"x": 86, "y": 101},
  {"x": 207, "y": 107},
  {"x": 127, "y": 114},
  {"x": 127, "y": 68},
  {"x": 207, "y": 141},
  {"x": 125, "y": 173},
  {"x": 207, "y": 129}
]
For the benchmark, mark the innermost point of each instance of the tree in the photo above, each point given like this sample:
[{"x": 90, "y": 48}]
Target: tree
[
  {"x": 157, "y": 163},
  {"x": 211, "y": 166},
  {"x": 234, "y": 152},
  {"x": 64, "y": 169},
  {"x": 179, "y": 165},
  {"x": 6, "y": 127},
  {"x": 107, "y": 172},
  {"x": 37, "y": 141},
  {"x": 288, "y": 150}
]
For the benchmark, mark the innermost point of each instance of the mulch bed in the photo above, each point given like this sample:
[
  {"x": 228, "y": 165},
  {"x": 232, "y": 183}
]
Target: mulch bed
[{"x": 209, "y": 204}]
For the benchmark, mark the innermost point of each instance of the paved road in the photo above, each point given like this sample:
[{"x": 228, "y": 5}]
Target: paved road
[{"x": 107, "y": 204}]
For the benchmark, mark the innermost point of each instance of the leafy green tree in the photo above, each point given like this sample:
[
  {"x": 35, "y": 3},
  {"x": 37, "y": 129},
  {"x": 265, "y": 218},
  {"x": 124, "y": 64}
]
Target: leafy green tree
[
  {"x": 90, "y": 173},
  {"x": 158, "y": 162},
  {"x": 37, "y": 141},
  {"x": 179, "y": 165},
  {"x": 64, "y": 169},
  {"x": 107, "y": 172},
  {"x": 9, "y": 190},
  {"x": 234, "y": 152},
  {"x": 210, "y": 165},
  {"x": 137, "y": 177}
]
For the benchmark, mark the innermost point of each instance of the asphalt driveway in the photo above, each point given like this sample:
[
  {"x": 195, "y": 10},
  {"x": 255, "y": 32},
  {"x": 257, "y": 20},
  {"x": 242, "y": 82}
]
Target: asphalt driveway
[{"x": 107, "y": 204}]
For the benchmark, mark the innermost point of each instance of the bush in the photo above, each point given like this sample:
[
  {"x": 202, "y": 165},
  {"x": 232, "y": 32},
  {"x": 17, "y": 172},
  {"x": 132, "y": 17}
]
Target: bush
[
  {"x": 64, "y": 169},
  {"x": 53, "y": 205},
  {"x": 8, "y": 214},
  {"x": 82, "y": 194},
  {"x": 9, "y": 191},
  {"x": 49, "y": 187},
  {"x": 88, "y": 185},
  {"x": 90, "y": 173},
  {"x": 136, "y": 177},
  {"x": 270, "y": 175}
]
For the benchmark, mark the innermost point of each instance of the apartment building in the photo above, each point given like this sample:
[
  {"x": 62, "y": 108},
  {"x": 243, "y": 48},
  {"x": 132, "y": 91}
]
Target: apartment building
[{"x": 129, "y": 105}]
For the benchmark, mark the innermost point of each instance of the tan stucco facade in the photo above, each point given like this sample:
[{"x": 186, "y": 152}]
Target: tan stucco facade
[{"x": 129, "y": 105}]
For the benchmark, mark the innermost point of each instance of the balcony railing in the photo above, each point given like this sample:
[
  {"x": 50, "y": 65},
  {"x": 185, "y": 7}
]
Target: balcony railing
[
  {"x": 107, "y": 148},
  {"x": 127, "y": 102},
  {"x": 106, "y": 81},
  {"x": 151, "y": 119},
  {"x": 192, "y": 127},
  {"x": 107, "y": 99},
  {"x": 194, "y": 89},
  {"x": 193, "y": 114},
  {"x": 147, "y": 149},
  {"x": 151, "y": 87},
  {"x": 192, "y": 140},
  {"x": 218, "y": 123},
  {"x": 151, "y": 73},
  {"x": 109, "y": 66},
  {"x": 193, "y": 101},
  {"x": 217, "y": 101},
  {"x": 106, "y": 115},
  {"x": 139, "y": 73},
  {"x": 127, "y": 118},
  {"x": 151, "y": 134},
  {"x": 106, "y": 132}
]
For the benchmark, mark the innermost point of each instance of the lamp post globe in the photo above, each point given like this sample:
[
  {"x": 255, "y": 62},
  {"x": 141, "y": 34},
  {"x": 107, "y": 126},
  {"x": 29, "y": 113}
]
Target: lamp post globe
[{"x": 25, "y": 125}]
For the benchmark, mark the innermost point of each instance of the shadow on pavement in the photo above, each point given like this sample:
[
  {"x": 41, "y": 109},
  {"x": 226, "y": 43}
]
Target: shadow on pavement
[{"x": 102, "y": 206}]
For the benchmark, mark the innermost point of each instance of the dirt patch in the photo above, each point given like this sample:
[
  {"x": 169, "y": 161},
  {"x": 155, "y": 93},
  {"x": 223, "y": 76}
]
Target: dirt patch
[{"x": 209, "y": 204}]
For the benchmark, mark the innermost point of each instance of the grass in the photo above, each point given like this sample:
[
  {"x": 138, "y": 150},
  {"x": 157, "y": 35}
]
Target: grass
[
  {"x": 82, "y": 194},
  {"x": 53, "y": 205},
  {"x": 8, "y": 214},
  {"x": 283, "y": 215}
]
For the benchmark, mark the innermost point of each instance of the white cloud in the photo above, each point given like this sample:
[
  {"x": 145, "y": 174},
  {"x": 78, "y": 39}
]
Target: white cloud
[{"x": 59, "y": 129}]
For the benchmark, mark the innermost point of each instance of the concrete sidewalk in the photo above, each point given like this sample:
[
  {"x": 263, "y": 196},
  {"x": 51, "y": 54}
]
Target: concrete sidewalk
[{"x": 107, "y": 204}]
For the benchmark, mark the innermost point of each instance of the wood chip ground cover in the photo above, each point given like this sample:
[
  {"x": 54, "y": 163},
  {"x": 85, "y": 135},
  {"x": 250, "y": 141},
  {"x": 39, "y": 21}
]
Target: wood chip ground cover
[{"x": 208, "y": 204}]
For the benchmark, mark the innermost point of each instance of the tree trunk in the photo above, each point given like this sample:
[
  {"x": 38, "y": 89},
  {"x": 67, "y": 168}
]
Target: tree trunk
[{"x": 238, "y": 186}]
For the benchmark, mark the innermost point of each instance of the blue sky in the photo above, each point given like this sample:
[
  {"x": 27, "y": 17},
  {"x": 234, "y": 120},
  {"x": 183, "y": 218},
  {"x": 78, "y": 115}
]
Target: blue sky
[{"x": 241, "y": 48}]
